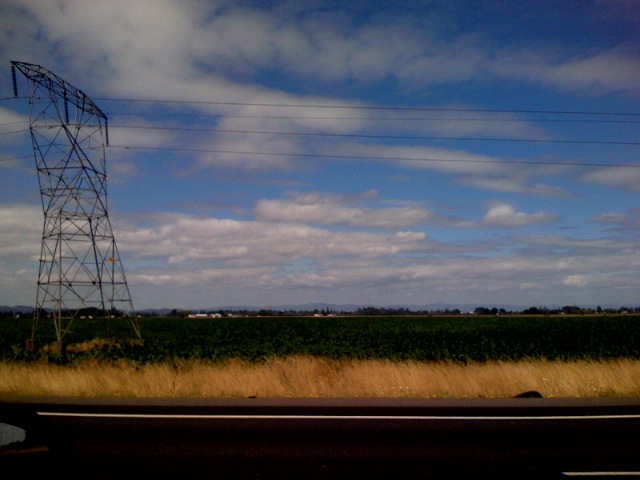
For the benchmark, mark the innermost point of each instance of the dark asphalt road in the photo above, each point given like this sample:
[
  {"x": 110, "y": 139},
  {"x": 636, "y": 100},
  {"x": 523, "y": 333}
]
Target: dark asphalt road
[{"x": 319, "y": 438}]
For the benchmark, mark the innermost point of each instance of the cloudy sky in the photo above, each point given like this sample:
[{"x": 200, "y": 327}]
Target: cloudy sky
[{"x": 381, "y": 153}]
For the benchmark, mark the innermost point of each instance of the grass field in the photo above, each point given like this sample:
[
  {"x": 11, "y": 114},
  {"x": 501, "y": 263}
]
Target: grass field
[
  {"x": 321, "y": 377},
  {"x": 582, "y": 356}
]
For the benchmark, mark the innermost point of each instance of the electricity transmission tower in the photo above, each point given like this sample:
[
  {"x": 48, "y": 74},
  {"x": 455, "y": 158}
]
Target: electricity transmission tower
[{"x": 80, "y": 272}]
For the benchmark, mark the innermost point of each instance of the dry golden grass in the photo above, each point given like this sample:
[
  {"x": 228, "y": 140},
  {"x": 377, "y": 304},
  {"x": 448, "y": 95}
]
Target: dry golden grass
[{"x": 319, "y": 377}]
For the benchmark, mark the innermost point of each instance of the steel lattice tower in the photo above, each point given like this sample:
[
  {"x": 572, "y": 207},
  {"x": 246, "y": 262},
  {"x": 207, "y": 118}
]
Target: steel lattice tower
[{"x": 80, "y": 270}]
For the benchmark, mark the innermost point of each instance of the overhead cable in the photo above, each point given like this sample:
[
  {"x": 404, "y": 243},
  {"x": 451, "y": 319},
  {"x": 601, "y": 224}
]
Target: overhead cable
[
  {"x": 372, "y": 157},
  {"x": 367, "y": 107},
  {"x": 387, "y": 137}
]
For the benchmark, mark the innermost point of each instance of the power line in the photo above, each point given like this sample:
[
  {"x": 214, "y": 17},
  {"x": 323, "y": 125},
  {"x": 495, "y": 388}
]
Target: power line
[
  {"x": 365, "y": 136},
  {"x": 387, "y": 137},
  {"x": 366, "y": 107},
  {"x": 22, "y": 122},
  {"x": 367, "y": 157},
  {"x": 357, "y": 157},
  {"x": 385, "y": 119},
  {"x": 624, "y": 118},
  {"x": 20, "y": 157},
  {"x": 14, "y": 132}
]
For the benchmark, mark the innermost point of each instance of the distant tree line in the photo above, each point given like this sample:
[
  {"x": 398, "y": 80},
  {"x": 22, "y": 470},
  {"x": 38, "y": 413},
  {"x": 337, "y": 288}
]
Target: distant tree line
[
  {"x": 574, "y": 310},
  {"x": 326, "y": 312},
  {"x": 364, "y": 311},
  {"x": 566, "y": 310},
  {"x": 89, "y": 312}
]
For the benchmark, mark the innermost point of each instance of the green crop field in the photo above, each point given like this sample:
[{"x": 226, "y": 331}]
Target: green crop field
[{"x": 420, "y": 338}]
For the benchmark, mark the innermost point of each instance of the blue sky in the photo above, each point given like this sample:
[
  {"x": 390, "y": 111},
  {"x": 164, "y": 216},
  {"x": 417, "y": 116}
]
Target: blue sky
[{"x": 380, "y": 153}]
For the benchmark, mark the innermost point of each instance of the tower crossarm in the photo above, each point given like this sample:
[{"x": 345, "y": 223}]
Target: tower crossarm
[{"x": 59, "y": 86}]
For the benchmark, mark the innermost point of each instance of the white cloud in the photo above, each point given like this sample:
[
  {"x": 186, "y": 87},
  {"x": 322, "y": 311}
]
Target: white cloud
[
  {"x": 624, "y": 223},
  {"x": 511, "y": 184},
  {"x": 139, "y": 48},
  {"x": 201, "y": 50},
  {"x": 330, "y": 210},
  {"x": 622, "y": 177},
  {"x": 11, "y": 120},
  {"x": 121, "y": 170},
  {"x": 611, "y": 218},
  {"x": 591, "y": 255},
  {"x": 183, "y": 238},
  {"x": 21, "y": 227},
  {"x": 14, "y": 135},
  {"x": 575, "y": 281},
  {"x": 608, "y": 71},
  {"x": 505, "y": 215},
  {"x": 241, "y": 261},
  {"x": 442, "y": 160},
  {"x": 605, "y": 71}
]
